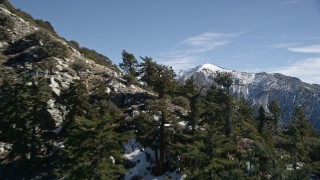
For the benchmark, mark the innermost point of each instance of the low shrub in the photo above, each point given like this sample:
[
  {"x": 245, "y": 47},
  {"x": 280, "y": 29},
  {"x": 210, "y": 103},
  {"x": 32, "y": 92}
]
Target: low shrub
[
  {"x": 79, "y": 65},
  {"x": 27, "y": 17},
  {"x": 6, "y": 22},
  {"x": 47, "y": 64},
  {"x": 45, "y": 25},
  {"x": 95, "y": 56},
  {"x": 131, "y": 80},
  {"x": 44, "y": 45},
  {"x": 4, "y": 35},
  {"x": 50, "y": 49},
  {"x": 74, "y": 44},
  {"x": 34, "y": 39},
  {"x": 182, "y": 102},
  {"x": 56, "y": 48}
]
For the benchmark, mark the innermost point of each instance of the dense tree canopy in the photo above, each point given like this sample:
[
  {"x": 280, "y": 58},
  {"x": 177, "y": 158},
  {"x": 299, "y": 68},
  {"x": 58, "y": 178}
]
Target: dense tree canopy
[{"x": 201, "y": 133}]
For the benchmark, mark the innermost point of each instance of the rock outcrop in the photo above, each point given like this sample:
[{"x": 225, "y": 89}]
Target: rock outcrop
[{"x": 63, "y": 70}]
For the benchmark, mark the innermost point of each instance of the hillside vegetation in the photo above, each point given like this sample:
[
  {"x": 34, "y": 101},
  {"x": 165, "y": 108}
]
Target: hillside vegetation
[{"x": 66, "y": 112}]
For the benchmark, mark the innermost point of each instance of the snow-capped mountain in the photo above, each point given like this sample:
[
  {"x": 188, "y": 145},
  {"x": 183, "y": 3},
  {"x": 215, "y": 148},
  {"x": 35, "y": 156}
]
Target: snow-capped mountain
[{"x": 260, "y": 88}]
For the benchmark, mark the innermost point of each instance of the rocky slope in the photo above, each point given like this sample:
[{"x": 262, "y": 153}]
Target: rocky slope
[
  {"x": 260, "y": 88},
  {"x": 18, "y": 55},
  {"x": 33, "y": 50},
  {"x": 30, "y": 50}
]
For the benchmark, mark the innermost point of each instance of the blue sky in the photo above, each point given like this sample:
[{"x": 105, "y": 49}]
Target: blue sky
[{"x": 248, "y": 35}]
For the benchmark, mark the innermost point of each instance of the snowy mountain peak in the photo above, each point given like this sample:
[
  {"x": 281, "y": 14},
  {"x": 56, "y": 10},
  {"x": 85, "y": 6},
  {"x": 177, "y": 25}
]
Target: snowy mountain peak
[
  {"x": 260, "y": 88},
  {"x": 206, "y": 73},
  {"x": 210, "y": 67},
  {"x": 205, "y": 69}
]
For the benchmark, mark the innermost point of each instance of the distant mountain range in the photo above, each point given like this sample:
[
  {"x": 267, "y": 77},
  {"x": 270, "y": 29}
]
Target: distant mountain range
[{"x": 260, "y": 88}]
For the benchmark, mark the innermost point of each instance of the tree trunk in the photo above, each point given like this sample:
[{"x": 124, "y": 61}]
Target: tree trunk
[
  {"x": 162, "y": 143},
  {"x": 228, "y": 114},
  {"x": 156, "y": 156},
  {"x": 33, "y": 145},
  {"x": 276, "y": 125}
]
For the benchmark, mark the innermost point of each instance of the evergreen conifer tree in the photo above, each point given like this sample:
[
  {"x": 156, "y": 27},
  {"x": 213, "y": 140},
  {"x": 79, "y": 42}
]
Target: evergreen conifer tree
[
  {"x": 299, "y": 130},
  {"x": 159, "y": 77},
  {"x": 301, "y": 123},
  {"x": 163, "y": 132},
  {"x": 129, "y": 64},
  {"x": 93, "y": 142},
  {"x": 194, "y": 116},
  {"x": 275, "y": 112},
  {"x": 93, "y": 149},
  {"x": 27, "y": 123},
  {"x": 147, "y": 70},
  {"x": 226, "y": 99},
  {"x": 190, "y": 88},
  {"x": 262, "y": 118}
]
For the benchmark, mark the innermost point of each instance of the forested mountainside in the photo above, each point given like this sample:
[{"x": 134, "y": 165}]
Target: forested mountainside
[
  {"x": 68, "y": 113},
  {"x": 260, "y": 88}
]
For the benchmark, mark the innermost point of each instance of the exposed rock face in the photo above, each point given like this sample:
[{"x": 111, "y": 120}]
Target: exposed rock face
[
  {"x": 260, "y": 88},
  {"x": 289, "y": 92},
  {"x": 21, "y": 27},
  {"x": 63, "y": 72},
  {"x": 57, "y": 111}
]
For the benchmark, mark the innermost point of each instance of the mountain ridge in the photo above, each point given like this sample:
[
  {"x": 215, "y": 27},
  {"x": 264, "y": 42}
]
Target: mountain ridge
[
  {"x": 260, "y": 88},
  {"x": 68, "y": 113}
]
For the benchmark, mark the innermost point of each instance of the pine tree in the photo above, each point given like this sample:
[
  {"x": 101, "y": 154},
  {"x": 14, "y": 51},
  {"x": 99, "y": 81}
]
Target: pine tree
[
  {"x": 225, "y": 80},
  {"x": 268, "y": 161},
  {"x": 129, "y": 64},
  {"x": 165, "y": 117},
  {"x": 211, "y": 106},
  {"x": 92, "y": 139},
  {"x": 208, "y": 154},
  {"x": 159, "y": 77},
  {"x": 193, "y": 93},
  {"x": 90, "y": 147},
  {"x": 147, "y": 70},
  {"x": 196, "y": 106},
  {"x": 165, "y": 80},
  {"x": 190, "y": 88},
  {"x": 76, "y": 100},
  {"x": 264, "y": 122},
  {"x": 262, "y": 118},
  {"x": 299, "y": 133},
  {"x": 301, "y": 123},
  {"x": 8, "y": 102},
  {"x": 219, "y": 103},
  {"x": 157, "y": 129},
  {"x": 246, "y": 122},
  {"x": 275, "y": 112},
  {"x": 27, "y": 121},
  {"x": 146, "y": 129},
  {"x": 298, "y": 130},
  {"x": 212, "y": 149}
]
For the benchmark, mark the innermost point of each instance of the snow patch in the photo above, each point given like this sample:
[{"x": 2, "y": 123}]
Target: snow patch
[
  {"x": 113, "y": 160},
  {"x": 212, "y": 68},
  {"x": 5, "y": 147},
  {"x": 144, "y": 161},
  {"x": 57, "y": 130}
]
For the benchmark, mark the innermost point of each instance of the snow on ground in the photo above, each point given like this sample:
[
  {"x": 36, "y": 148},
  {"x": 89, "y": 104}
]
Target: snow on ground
[
  {"x": 144, "y": 159},
  {"x": 57, "y": 130}
]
